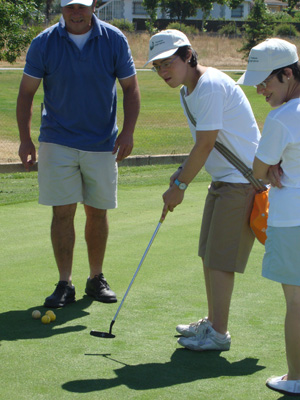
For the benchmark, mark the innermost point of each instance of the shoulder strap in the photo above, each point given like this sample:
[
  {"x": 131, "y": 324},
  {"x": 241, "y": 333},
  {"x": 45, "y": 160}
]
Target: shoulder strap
[{"x": 232, "y": 158}]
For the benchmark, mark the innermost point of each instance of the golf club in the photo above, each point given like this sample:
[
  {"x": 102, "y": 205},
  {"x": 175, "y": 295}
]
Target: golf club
[{"x": 109, "y": 335}]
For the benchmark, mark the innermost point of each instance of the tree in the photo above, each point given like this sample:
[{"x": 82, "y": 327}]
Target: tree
[
  {"x": 258, "y": 27},
  {"x": 291, "y": 5},
  {"x": 151, "y": 7},
  {"x": 15, "y": 35},
  {"x": 182, "y": 9}
]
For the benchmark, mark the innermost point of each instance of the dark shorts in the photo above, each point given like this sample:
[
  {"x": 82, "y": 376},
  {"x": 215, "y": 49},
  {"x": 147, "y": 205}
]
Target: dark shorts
[{"x": 226, "y": 238}]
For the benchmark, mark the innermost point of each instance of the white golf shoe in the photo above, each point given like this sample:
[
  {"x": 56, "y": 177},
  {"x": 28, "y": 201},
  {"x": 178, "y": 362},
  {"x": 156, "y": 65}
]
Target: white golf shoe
[
  {"x": 209, "y": 340},
  {"x": 194, "y": 328}
]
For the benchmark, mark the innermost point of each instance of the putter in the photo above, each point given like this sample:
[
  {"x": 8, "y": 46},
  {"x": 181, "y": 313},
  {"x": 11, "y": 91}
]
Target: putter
[{"x": 109, "y": 335}]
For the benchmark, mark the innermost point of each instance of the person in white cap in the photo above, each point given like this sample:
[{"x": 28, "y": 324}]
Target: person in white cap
[
  {"x": 274, "y": 69},
  {"x": 79, "y": 60},
  {"x": 222, "y": 113}
]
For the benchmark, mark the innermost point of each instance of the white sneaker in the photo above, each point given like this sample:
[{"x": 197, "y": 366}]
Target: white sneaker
[
  {"x": 210, "y": 340},
  {"x": 286, "y": 387},
  {"x": 194, "y": 328}
]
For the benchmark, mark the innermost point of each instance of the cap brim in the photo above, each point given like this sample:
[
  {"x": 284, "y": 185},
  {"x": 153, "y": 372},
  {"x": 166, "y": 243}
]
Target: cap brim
[
  {"x": 86, "y": 3},
  {"x": 252, "y": 78},
  {"x": 160, "y": 56}
]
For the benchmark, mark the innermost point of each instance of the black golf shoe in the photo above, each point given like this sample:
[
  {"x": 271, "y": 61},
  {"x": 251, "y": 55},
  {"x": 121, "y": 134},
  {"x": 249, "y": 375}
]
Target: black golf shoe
[
  {"x": 62, "y": 295},
  {"x": 100, "y": 290}
]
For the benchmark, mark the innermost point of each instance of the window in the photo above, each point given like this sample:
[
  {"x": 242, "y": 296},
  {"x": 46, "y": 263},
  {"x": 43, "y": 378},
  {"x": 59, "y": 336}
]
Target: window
[
  {"x": 237, "y": 12},
  {"x": 138, "y": 8}
]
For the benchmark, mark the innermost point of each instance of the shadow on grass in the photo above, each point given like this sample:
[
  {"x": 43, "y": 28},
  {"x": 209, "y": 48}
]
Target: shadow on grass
[
  {"x": 185, "y": 366},
  {"x": 15, "y": 325}
]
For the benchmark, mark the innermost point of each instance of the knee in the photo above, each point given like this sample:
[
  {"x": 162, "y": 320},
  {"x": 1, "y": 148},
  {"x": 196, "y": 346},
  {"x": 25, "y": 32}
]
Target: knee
[{"x": 64, "y": 213}]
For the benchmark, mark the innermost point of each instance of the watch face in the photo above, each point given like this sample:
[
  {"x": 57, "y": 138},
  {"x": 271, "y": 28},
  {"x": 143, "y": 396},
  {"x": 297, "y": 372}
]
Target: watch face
[{"x": 181, "y": 185}]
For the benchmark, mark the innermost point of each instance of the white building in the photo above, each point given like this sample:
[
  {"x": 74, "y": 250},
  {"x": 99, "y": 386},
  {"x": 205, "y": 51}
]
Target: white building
[{"x": 132, "y": 10}]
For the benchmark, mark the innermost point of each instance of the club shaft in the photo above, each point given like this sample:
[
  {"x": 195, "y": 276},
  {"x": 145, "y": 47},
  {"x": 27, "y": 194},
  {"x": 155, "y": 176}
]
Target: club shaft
[{"x": 138, "y": 268}]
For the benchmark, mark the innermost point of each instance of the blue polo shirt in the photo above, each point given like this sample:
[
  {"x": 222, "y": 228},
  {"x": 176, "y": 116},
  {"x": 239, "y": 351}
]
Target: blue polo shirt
[{"x": 80, "y": 86}]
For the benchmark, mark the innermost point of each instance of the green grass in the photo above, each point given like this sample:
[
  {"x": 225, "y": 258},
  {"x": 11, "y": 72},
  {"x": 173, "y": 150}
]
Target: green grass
[
  {"x": 161, "y": 127},
  {"x": 62, "y": 361}
]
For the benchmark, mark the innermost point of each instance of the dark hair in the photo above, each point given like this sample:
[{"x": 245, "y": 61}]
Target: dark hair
[
  {"x": 183, "y": 51},
  {"x": 295, "y": 70}
]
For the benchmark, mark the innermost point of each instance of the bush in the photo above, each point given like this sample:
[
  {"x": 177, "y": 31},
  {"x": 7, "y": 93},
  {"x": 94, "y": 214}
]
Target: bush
[
  {"x": 229, "y": 30},
  {"x": 282, "y": 16},
  {"x": 187, "y": 29},
  {"x": 286, "y": 30},
  {"x": 122, "y": 24}
]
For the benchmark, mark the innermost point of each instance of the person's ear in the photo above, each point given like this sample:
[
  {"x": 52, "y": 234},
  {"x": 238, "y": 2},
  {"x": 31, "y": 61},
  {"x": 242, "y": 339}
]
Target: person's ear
[{"x": 288, "y": 72}]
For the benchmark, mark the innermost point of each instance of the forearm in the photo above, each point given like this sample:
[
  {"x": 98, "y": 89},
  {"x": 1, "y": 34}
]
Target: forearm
[
  {"x": 194, "y": 163},
  {"x": 260, "y": 169},
  {"x": 24, "y": 116},
  {"x": 131, "y": 108}
]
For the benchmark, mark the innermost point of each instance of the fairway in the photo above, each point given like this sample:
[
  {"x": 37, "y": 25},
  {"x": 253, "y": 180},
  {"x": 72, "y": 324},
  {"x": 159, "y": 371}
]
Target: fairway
[{"x": 62, "y": 361}]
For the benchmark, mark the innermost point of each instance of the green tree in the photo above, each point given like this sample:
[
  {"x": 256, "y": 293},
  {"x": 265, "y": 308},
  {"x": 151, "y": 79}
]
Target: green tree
[
  {"x": 259, "y": 26},
  {"x": 15, "y": 33},
  {"x": 291, "y": 5},
  {"x": 151, "y": 7},
  {"x": 182, "y": 9}
]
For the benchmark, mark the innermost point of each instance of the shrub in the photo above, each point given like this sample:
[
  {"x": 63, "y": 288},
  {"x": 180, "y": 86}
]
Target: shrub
[
  {"x": 187, "y": 29},
  {"x": 282, "y": 16},
  {"x": 229, "y": 30},
  {"x": 122, "y": 24},
  {"x": 286, "y": 30}
]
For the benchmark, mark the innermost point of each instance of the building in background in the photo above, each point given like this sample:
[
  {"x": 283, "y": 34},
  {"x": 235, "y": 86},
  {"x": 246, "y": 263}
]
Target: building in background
[{"x": 133, "y": 11}]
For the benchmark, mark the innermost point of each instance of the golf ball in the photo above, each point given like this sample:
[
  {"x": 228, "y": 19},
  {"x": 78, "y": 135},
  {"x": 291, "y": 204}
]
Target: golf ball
[
  {"x": 46, "y": 319},
  {"x": 51, "y": 315},
  {"x": 36, "y": 314}
]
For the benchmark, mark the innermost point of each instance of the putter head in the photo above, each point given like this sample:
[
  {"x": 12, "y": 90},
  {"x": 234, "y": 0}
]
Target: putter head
[{"x": 103, "y": 335}]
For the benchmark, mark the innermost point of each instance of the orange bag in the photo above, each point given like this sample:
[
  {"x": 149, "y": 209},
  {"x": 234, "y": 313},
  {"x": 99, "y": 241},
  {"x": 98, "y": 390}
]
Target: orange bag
[{"x": 259, "y": 215}]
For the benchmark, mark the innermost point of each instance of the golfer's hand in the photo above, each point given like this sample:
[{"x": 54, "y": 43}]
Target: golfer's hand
[
  {"x": 27, "y": 154},
  {"x": 172, "y": 197},
  {"x": 274, "y": 175},
  {"x": 123, "y": 146}
]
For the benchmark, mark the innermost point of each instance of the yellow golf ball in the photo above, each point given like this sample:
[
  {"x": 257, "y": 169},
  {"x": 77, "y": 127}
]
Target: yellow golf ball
[
  {"x": 46, "y": 319},
  {"x": 36, "y": 314},
  {"x": 51, "y": 315}
]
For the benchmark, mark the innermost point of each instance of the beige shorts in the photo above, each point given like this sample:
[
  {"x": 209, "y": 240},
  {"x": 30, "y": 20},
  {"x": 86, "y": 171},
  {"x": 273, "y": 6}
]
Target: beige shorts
[
  {"x": 68, "y": 176},
  {"x": 226, "y": 238}
]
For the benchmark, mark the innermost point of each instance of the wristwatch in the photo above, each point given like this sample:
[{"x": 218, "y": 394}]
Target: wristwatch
[{"x": 181, "y": 185}]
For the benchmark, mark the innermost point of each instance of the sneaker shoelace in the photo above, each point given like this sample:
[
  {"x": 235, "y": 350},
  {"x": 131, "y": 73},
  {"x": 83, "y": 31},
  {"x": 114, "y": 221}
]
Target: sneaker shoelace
[{"x": 199, "y": 326}]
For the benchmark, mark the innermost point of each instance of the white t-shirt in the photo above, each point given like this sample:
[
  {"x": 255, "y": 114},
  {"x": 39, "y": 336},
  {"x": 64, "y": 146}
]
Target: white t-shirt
[
  {"x": 80, "y": 40},
  {"x": 218, "y": 103},
  {"x": 281, "y": 141}
]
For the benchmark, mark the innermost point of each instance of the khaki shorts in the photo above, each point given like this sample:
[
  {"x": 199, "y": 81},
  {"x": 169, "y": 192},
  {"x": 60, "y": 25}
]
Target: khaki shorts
[
  {"x": 226, "y": 238},
  {"x": 68, "y": 176}
]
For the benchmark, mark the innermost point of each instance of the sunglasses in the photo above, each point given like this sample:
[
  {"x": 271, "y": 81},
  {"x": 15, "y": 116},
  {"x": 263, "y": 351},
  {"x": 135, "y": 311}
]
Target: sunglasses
[{"x": 263, "y": 85}]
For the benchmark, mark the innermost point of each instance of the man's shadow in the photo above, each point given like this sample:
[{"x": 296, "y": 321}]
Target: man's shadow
[
  {"x": 184, "y": 366},
  {"x": 15, "y": 325}
]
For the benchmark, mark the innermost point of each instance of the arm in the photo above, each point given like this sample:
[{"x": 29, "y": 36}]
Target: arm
[
  {"x": 28, "y": 88},
  {"x": 260, "y": 169},
  {"x": 131, "y": 107},
  {"x": 205, "y": 141}
]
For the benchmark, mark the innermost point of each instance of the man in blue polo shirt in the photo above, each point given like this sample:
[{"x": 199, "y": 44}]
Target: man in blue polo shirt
[{"x": 79, "y": 60}]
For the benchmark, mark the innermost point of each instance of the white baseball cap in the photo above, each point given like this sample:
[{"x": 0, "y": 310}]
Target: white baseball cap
[
  {"x": 265, "y": 57},
  {"x": 165, "y": 43},
  {"x": 65, "y": 3}
]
